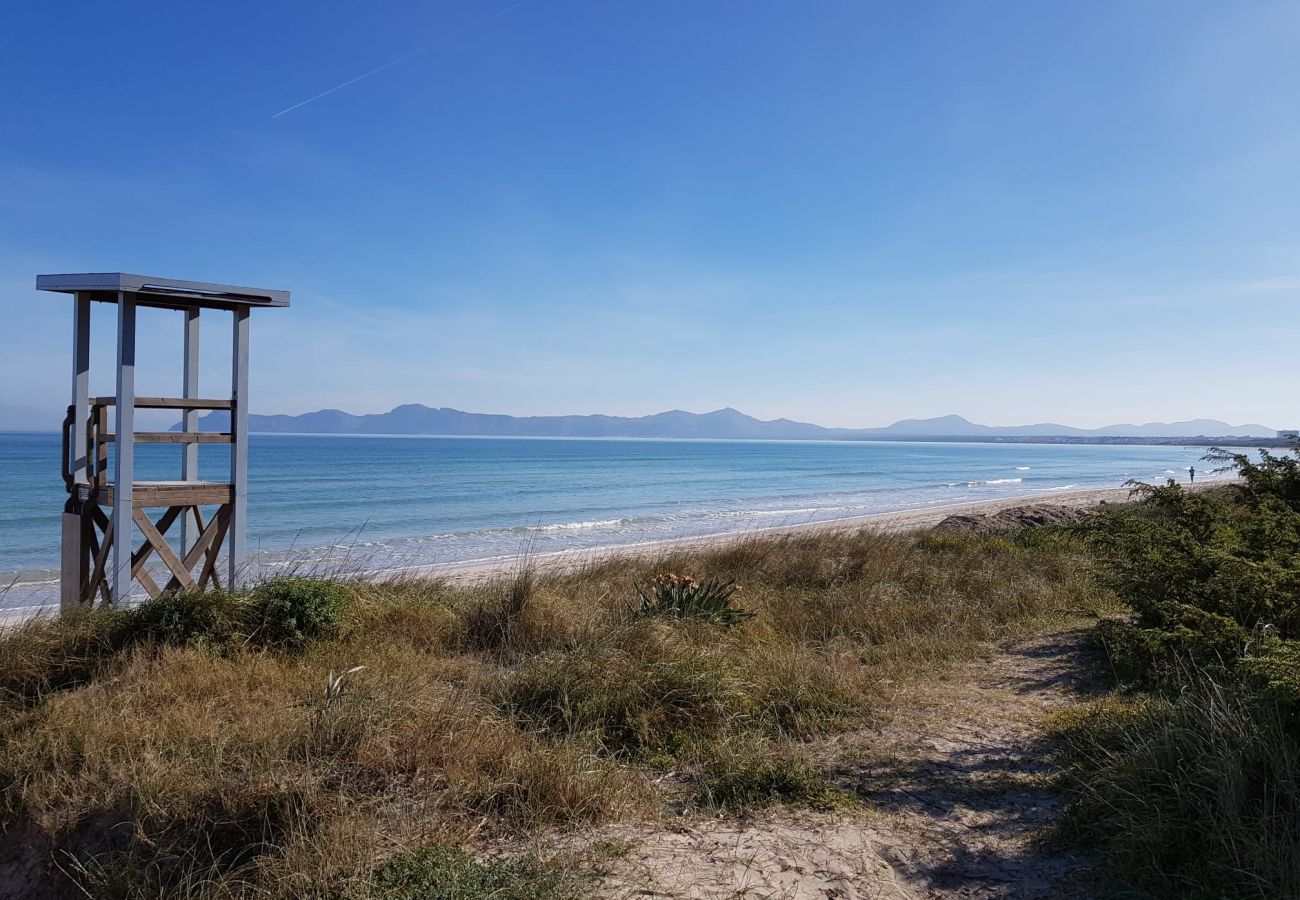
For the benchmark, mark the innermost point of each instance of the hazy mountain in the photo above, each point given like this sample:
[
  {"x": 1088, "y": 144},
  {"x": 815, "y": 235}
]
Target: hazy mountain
[
  {"x": 956, "y": 426},
  {"x": 414, "y": 418}
]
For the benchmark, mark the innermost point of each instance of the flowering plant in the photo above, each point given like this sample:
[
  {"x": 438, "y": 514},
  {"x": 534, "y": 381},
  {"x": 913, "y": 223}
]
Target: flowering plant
[{"x": 683, "y": 597}]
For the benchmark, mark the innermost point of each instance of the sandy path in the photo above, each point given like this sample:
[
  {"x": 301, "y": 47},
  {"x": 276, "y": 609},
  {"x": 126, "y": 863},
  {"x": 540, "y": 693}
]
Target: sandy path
[
  {"x": 962, "y": 774},
  {"x": 955, "y": 793}
]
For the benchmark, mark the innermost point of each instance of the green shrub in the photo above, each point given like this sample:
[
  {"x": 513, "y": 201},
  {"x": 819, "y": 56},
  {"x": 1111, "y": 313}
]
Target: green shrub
[
  {"x": 643, "y": 691},
  {"x": 682, "y": 597},
  {"x": 448, "y": 873},
  {"x": 186, "y": 618},
  {"x": 1237, "y": 559},
  {"x": 1274, "y": 479},
  {"x": 1179, "y": 639},
  {"x": 1273, "y": 673},
  {"x": 745, "y": 780},
  {"x": 291, "y": 610},
  {"x": 1198, "y": 794}
]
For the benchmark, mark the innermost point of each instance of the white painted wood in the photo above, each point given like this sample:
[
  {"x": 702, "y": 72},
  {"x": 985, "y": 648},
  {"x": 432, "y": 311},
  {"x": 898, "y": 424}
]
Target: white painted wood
[
  {"x": 190, "y": 423},
  {"x": 124, "y": 450},
  {"x": 237, "y": 535},
  {"x": 80, "y": 386},
  {"x": 73, "y": 534},
  {"x": 168, "y": 293}
]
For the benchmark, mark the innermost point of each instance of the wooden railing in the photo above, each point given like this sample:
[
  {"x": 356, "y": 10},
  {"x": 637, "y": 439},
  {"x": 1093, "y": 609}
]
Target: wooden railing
[{"x": 98, "y": 437}]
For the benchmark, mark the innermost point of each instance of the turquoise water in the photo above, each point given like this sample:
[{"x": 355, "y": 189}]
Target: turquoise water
[{"x": 387, "y": 502}]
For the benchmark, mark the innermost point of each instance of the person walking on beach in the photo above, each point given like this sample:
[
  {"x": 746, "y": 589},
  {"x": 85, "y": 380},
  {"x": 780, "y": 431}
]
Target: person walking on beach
[{"x": 1191, "y": 474}]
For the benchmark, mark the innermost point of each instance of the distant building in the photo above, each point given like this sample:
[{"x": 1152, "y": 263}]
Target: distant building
[{"x": 1293, "y": 435}]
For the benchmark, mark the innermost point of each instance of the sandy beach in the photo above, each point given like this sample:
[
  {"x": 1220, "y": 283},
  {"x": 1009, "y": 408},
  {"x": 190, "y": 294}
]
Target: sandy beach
[
  {"x": 902, "y": 520},
  {"x": 45, "y": 600}
]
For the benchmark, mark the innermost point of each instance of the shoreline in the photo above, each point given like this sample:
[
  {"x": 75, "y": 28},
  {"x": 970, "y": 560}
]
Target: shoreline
[{"x": 558, "y": 561}]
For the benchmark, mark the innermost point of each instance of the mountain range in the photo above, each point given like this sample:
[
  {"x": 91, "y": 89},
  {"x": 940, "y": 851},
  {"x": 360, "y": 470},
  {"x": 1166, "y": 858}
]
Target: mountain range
[{"x": 728, "y": 423}]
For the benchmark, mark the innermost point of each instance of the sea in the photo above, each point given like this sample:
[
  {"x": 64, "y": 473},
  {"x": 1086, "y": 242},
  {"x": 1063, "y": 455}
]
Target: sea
[{"x": 361, "y": 503}]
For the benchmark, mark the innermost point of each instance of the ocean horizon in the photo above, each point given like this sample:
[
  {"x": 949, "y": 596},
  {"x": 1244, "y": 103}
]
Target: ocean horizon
[{"x": 385, "y": 502}]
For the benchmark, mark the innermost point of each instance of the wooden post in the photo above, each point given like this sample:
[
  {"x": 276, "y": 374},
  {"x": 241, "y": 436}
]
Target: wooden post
[
  {"x": 124, "y": 450},
  {"x": 236, "y": 540},
  {"x": 72, "y": 562},
  {"x": 80, "y": 387},
  {"x": 190, "y": 528},
  {"x": 73, "y": 565}
]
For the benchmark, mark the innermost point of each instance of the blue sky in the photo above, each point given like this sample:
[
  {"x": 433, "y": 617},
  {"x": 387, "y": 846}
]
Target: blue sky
[{"x": 842, "y": 212}]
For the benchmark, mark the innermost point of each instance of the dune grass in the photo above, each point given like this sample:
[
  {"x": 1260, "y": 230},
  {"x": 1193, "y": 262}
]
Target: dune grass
[
  {"x": 325, "y": 739},
  {"x": 1193, "y": 797},
  {"x": 1185, "y": 782}
]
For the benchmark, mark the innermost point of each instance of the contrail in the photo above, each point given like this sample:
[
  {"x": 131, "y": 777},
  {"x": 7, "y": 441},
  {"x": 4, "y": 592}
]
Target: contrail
[{"x": 405, "y": 56}]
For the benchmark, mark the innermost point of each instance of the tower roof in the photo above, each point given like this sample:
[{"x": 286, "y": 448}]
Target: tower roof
[{"x": 167, "y": 293}]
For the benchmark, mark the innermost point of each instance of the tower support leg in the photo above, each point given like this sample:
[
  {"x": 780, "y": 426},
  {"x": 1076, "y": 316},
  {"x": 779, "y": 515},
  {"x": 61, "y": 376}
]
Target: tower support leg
[{"x": 74, "y": 568}]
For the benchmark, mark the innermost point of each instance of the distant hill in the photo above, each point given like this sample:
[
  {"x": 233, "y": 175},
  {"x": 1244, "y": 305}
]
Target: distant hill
[{"x": 414, "y": 418}]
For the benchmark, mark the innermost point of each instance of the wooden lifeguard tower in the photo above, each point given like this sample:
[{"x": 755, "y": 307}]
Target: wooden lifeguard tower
[{"x": 98, "y": 556}]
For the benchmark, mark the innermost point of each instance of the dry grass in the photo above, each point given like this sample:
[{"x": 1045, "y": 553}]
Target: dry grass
[{"x": 144, "y": 768}]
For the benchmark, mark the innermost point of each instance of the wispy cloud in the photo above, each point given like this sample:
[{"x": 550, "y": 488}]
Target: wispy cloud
[
  {"x": 1273, "y": 285},
  {"x": 403, "y": 58}
]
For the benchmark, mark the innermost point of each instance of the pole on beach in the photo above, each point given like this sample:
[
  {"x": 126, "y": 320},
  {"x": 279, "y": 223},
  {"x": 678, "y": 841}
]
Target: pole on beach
[
  {"x": 74, "y": 563},
  {"x": 239, "y": 450},
  {"x": 124, "y": 450},
  {"x": 190, "y": 424}
]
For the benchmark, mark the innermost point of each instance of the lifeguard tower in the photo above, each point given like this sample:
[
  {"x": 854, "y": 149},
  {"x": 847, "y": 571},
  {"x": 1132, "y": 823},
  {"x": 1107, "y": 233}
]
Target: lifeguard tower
[{"x": 98, "y": 556}]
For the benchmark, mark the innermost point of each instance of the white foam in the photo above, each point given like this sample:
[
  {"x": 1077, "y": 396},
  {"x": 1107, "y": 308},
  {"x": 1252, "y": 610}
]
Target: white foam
[
  {"x": 995, "y": 481},
  {"x": 574, "y": 526},
  {"x": 1022, "y": 468}
]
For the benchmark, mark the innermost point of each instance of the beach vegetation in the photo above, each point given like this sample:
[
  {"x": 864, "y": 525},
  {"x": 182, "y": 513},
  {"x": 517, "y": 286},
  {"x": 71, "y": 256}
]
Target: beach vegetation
[
  {"x": 1188, "y": 782},
  {"x": 449, "y": 873},
  {"x": 291, "y": 610},
  {"x": 682, "y": 597},
  {"x": 291, "y": 740},
  {"x": 737, "y": 778},
  {"x": 493, "y": 621}
]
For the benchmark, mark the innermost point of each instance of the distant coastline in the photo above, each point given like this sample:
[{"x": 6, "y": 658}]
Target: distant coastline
[{"x": 731, "y": 424}]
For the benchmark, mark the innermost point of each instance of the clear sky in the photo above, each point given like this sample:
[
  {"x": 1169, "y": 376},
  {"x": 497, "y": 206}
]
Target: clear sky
[{"x": 841, "y": 212}]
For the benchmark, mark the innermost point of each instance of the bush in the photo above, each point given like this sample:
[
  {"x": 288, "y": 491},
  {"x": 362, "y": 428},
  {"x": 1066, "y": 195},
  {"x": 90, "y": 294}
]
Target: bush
[
  {"x": 448, "y": 873},
  {"x": 682, "y": 597},
  {"x": 1180, "y": 639},
  {"x": 290, "y": 611},
  {"x": 745, "y": 780},
  {"x": 1273, "y": 674},
  {"x": 645, "y": 690},
  {"x": 1236, "y": 555},
  {"x": 1195, "y": 791},
  {"x": 185, "y": 619}
]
